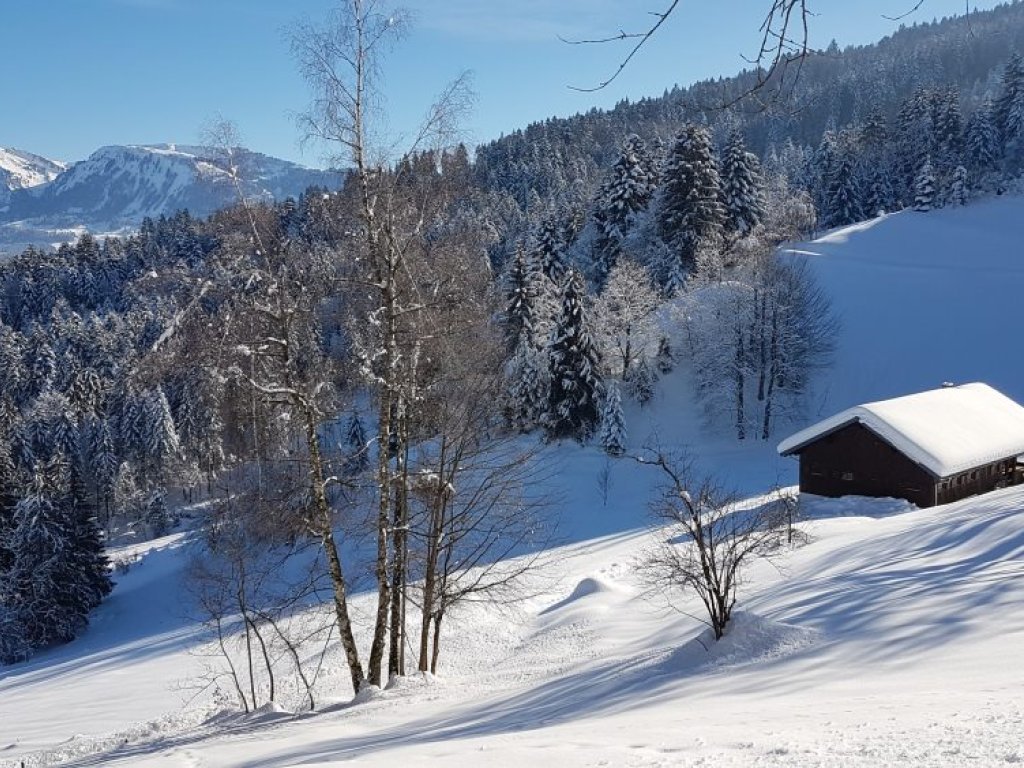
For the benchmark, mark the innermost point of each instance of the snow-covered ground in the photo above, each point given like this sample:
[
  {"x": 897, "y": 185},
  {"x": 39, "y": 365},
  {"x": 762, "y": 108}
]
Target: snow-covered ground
[
  {"x": 893, "y": 637},
  {"x": 924, "y": 298}
]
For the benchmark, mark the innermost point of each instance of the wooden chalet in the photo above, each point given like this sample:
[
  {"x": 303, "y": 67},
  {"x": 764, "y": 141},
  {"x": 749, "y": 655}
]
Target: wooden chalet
[{"x": 929, "y": 448}]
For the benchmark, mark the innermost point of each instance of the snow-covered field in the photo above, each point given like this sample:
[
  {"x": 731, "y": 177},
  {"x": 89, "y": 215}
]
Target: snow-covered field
[{"x": 893, "y": 637}]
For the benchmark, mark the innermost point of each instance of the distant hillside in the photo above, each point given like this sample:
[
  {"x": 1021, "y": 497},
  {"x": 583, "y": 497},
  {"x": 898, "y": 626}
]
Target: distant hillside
[
  {"x": 558, "y": 163},
  {"x": 119, "y": 186}
]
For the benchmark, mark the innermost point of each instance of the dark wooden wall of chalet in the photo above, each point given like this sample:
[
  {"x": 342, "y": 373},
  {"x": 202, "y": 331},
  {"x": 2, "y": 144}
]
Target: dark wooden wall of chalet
[
  {"x": 983, "y": 479},
  {"x": 872, "y": 466}
]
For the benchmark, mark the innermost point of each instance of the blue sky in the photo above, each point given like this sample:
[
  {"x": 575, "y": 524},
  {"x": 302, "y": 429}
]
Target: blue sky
[{"x": 78, "y": 74}]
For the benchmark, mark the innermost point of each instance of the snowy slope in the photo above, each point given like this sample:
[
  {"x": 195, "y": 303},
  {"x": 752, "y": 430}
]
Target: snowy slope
[
  {"x": 890, "y": 639},
  {"x": 884, "y": 641},
  {"x": 924, "y": 298}
]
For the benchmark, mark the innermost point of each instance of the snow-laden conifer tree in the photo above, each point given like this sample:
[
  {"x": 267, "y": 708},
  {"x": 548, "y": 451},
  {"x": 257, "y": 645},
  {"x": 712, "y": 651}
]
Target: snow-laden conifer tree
[
  {"x": 641, "y": 381},
  {"x": 742, "y": 187},
  {"x": 881, "y": 197},
  {"x": 158, "y": 516},
  {"x": 129, "y": 412},
  {"x": 56, "y": 570},
  {"x": 105, "y": 466},
  {"x": 948, "y": 129},
  {"x": 519, "y": 309},
  {"x": 982, "y": 139},
  {"x": 691, "y": 211},
  {"x": 625, "y": 193},
  {"x": 543, "y": 295},
  {"x": 613, "y": 422},
  {"x": 823, "y": 163},
  {"x": 87, "y": 392},
  {"x": 197, "y": 418},
  {"x": 548, "y": 249},
  {"x": 161, "y": 434},
  {"x": 528, "y": 382},
  {"x": 54, "y": 427},
  {"x": 576, "y": 386},
  {"x": 40, "y": 361},
  {"x": 843, "y": 191},
  {"x": 924, "y": 188},
  {"x": 357, "y": 457},
  {"x": 88, "y": 558},
  {"x": 958, "y": 187},
  {"x": 1008, "y": 107},
  {"x": 914, "y": 139}
]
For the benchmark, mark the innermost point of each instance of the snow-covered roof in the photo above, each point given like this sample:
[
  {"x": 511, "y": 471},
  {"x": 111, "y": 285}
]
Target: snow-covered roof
[{"x": 945, "y": 430}]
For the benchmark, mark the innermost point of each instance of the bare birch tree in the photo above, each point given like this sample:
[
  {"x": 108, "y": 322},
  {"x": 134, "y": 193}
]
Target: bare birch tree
[{"x": 340, "y": 61}]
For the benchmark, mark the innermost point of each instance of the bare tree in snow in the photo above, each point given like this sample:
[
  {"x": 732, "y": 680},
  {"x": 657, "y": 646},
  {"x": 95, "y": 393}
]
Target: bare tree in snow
[
  {"x": 755, "y": 340},
  {"x": 705, "y": 540},
  {"x": 340, "y": 61}
]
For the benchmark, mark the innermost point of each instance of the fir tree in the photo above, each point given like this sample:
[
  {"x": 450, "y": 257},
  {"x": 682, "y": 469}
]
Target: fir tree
[
  {"x": 197, "y": 417},
  {"x": 982, "y": 139},
  {"x": 691, "y": 211},
  {"x": 623, "y": 196},
  {"x": 875, "y": 132},
  {"x": 57, "y": 571},
  {"x": 742, "y": 187},
  {"x": 528, "y": 387},
  {"x": 1007, "y": 108},
  {"x": 881, "y": 196},
  {"x": 574, "y": 364},
  {"x": 161, "y": 436},
  {"x": 948, "y": 126},
  {"x": 549, "y": 249},
  {"x": 958, "y": 187},
  {"x": 87, "y": 392},
  {"x": 105, "y": 465},
  {"x": 519, "y": 311},
  {"x": 130, "y": 415},
  {"x": 665, "y": 359},
  {"x": 924, "y": 188},
  {"x": 843, "y": 193},
  {"x": 40, "y": 361},
  {"x": 357, "y": 457},
  {"x": 158, "y": 517},
  {"x": 641, "y": 382},
  {"x": 89, "y": 561},
  {"x": 823, "y": 164},
  {"x": 613, "y": 423}
]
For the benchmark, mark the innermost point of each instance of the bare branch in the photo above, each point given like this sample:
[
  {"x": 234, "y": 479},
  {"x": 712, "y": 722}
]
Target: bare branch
[
  {"x": 917, "y": 5},
  {"x": 641, "y": 37}
]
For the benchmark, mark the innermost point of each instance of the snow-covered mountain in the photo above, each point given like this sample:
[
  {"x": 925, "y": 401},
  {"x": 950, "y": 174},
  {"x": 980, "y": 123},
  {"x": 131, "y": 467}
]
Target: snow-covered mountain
[
  {"x": 22, "y": 170},
  {"x": 118, "y": 186}
]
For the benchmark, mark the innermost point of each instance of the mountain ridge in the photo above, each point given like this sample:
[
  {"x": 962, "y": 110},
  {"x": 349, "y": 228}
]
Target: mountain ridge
[{"x": 118, "y": 186}]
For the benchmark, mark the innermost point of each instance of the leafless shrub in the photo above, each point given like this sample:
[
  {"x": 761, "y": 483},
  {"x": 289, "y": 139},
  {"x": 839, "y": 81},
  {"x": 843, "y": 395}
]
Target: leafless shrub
[{"x": 704, "y": 539}]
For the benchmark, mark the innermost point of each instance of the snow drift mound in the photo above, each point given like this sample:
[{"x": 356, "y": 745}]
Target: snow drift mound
[
  {"x": 751, "y": 639},
  {"x": 588, "y": 587}
]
